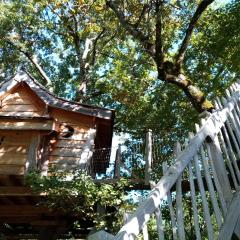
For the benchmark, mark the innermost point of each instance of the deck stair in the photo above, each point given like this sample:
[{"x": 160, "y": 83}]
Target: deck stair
[{"x": 210, "y": 164}]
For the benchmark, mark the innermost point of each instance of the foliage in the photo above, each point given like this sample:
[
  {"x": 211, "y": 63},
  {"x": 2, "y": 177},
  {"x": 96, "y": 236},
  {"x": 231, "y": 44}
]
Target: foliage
[
  {"x": 76, "y": 193},
  {"x": 214, "y": 56},
  {"x": 116, "y": 68},
  {"x": 89, "y": 53}
]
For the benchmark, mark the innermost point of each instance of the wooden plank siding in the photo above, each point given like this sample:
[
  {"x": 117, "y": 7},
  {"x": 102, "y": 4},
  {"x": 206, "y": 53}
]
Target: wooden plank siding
[
  {"x": 20, "y": 124},
  {"x": 12, "y": 169},
  {"x": 13, "y": 151},
  {"x": 66, "y": 152},
  {"x": 21, "y": 102},
  {"x": 25, "y": 114}
]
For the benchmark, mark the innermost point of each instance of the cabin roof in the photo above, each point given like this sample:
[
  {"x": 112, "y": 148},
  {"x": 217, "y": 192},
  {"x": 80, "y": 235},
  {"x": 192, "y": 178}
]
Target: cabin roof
[{"x": 54, "y": 101}]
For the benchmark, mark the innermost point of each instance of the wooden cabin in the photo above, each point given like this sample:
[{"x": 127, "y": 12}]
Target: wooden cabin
[{"x": 39, "y": 130}]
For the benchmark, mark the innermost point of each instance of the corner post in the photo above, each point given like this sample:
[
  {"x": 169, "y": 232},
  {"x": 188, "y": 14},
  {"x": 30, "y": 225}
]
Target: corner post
[
  {"x": 117, "y": 162},
  {"x": 148, "y": 156}
]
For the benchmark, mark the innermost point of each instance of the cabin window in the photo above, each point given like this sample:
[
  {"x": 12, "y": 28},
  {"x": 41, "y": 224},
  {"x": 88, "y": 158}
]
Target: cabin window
[{"x": 66, "y": 131}]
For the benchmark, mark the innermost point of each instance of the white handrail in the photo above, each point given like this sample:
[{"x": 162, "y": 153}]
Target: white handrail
[{"x": 210, "y": 129}]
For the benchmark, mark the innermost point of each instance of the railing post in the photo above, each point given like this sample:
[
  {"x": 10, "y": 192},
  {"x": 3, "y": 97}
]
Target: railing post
[
  {"x": 215, "y": 154},
  {"x": 117, "y": 162},
  {"x": 148, "y": 156},
  {"x": 127, "y": 216},
  {"x": 218, "y": 162},
  {"x": 145, "y": 228},
  {"x": 179, "y": 203}
]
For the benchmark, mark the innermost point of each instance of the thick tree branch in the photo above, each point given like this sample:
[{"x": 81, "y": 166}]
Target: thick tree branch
[
  {"x": 94, "y": 49},
  {"x": 200, "y": 9},
  {"x": 34, "y": 61},
  {"x": 38, "y": 67},
  {"x": 194, "y": 94},
  {"x": 148, "y": 46},
  {"x": 92, "y": 95},
  {"x": 144, "y": 9}
]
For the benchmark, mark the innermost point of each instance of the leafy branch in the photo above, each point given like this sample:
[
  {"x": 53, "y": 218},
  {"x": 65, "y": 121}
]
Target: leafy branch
[
  {"x": 34, "y": 61},
  {"x": 199, "y": 11},
  {"x": 76, "y": 193},
  {"x": 132, "y": 29}
]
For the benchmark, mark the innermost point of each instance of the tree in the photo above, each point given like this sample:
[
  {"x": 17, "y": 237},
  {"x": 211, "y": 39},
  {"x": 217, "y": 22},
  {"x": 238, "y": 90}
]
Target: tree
[
  {"x": 61, "y": 39},
  {"x": 139, "y": 57},
  {"x": 134, "y": 56},
  {"x": 152, "y": 23},
  {"x": 214, "y": 55}
]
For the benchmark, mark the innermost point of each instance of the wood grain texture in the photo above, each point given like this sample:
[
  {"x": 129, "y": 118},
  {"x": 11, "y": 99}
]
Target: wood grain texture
[
  {"x": 31, "y": 163},
  {"x": 12, "y": 169},
  {"x": 24, "y": 210},
  {"x": 21, "y": 114},
  {"x": 15, "y": 191},
  {"x": 13, "y": 159},
  {"x": 21, "y": 102},
  {"x": 64, "y": 160},
  {"x": 6, "y": 124},
  {"x": 71, "y": 143},
  {"x": 67, "y": 152},
  {"x": 27, "y": 83},
  {"x": 231, "y": 219},
  {"x": 12, "y": 150},
  {"x": 19, "y": 108}
]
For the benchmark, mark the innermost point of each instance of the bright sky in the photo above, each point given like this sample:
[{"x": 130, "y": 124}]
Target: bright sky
[{"x": 220, "y": 3}]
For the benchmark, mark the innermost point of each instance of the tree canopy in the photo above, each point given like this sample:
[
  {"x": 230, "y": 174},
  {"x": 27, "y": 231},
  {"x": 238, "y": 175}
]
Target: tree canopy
[
  {"x": 159, "y": 63},
  {"x": 150, "y": 60}
]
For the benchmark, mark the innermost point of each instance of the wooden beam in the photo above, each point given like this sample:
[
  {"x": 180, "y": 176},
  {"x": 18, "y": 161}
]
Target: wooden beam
[
  {"x": 6, "y": 200},
  {"x": 25, "y": 125},
  {"x": 11, "y": 169},
  {"x": 25, "y": 210},
  {"x": 50, "y": 222},
  {"x": 38, "y": 220},
  {"x": 15, "y": 191},
  {"x": 19, "y": 219}
]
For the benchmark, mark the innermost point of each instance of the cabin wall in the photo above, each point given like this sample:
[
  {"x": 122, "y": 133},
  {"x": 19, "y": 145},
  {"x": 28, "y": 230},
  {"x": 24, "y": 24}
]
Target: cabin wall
[
  {"x": 14, "y": 148},
  {"x": 34, "y": 135},
  {"x": 68, "y": 152},
  {"x": 19, "y": 131},
  {"x": 21, "y": 102}
]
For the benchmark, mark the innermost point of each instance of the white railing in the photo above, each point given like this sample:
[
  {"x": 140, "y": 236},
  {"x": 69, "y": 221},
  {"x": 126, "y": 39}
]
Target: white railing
[{"x": 206, "y": 176}]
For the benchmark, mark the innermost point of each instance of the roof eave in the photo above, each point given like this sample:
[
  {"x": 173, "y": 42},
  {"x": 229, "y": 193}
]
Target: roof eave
[{"x": 56, "y": 102}]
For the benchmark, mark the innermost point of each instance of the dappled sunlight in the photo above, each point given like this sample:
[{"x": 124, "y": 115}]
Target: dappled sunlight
[{"x": 208, "y": 166}]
